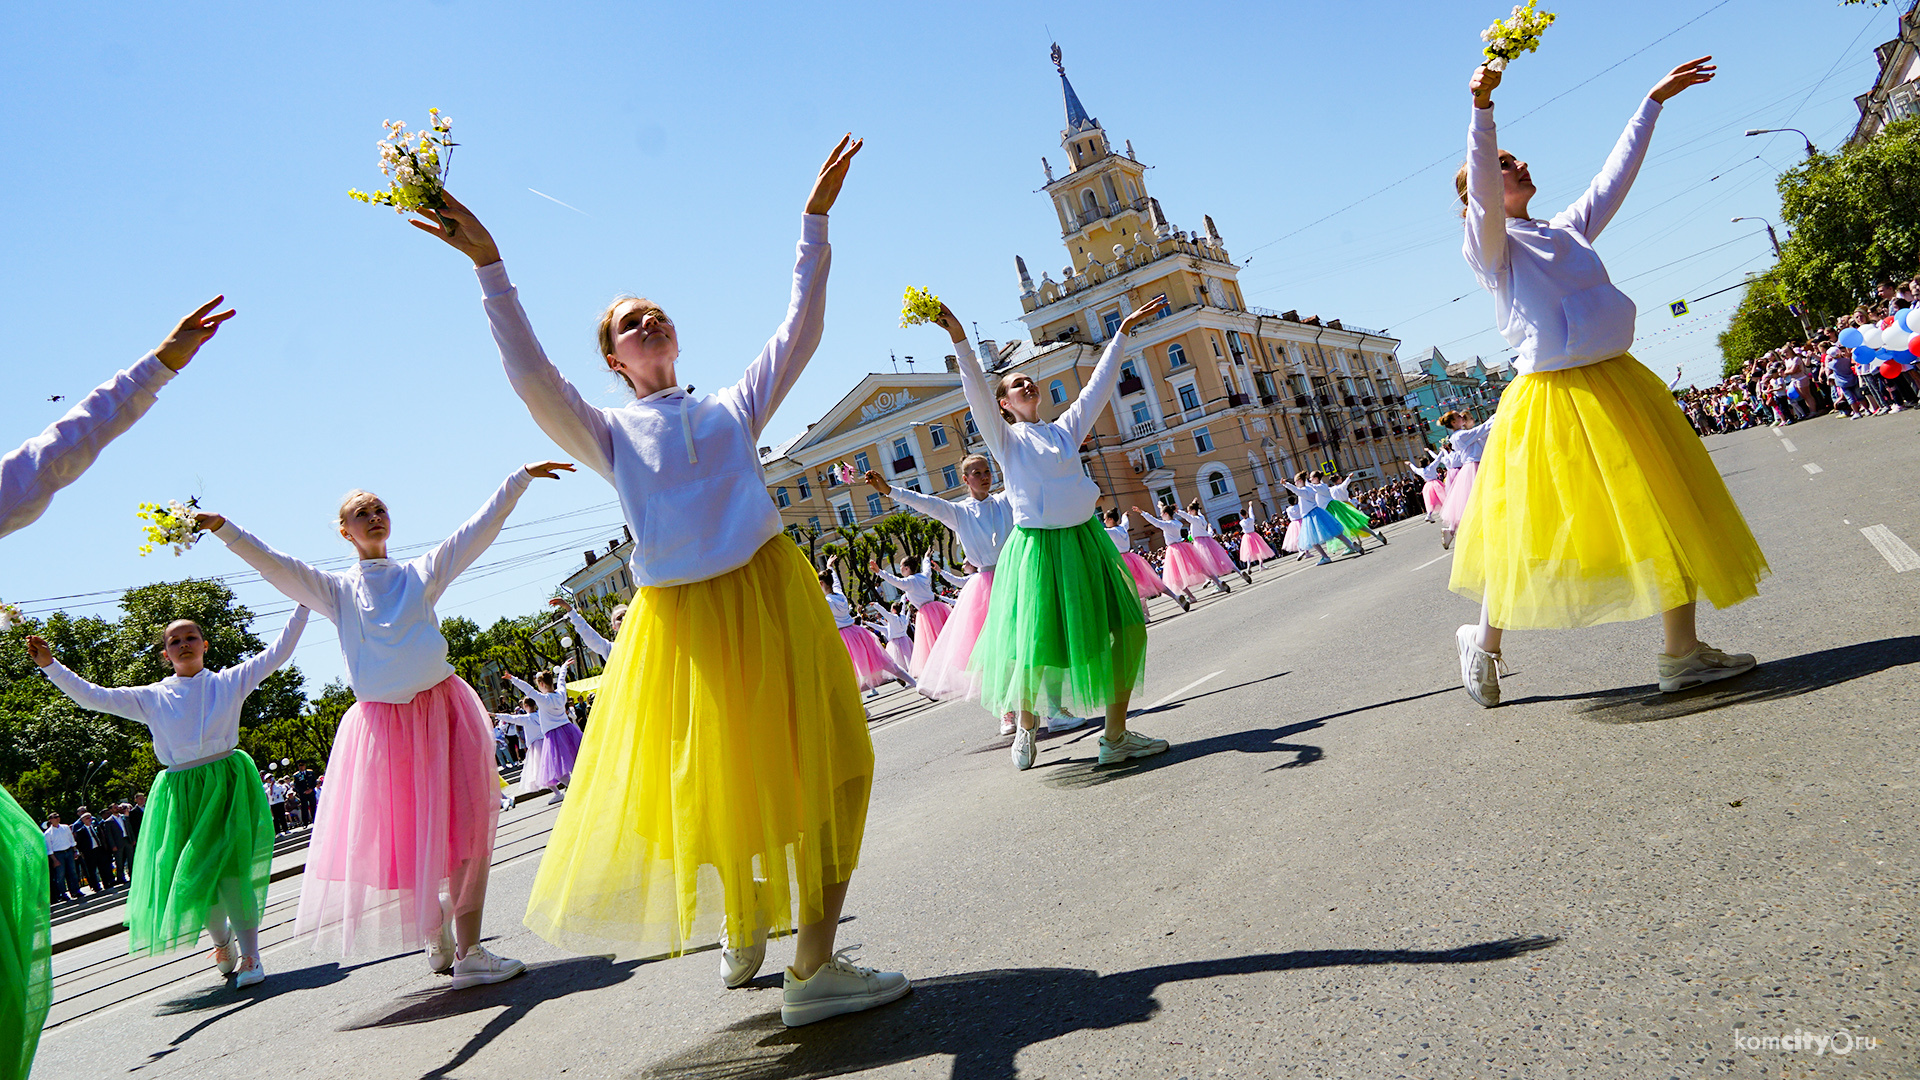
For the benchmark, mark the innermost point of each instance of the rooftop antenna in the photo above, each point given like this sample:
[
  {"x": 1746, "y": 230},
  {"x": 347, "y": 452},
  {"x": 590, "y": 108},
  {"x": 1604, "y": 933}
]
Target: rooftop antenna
[
  {"x": 909, "y": 361},
  {"x": 896, "y": 362}
]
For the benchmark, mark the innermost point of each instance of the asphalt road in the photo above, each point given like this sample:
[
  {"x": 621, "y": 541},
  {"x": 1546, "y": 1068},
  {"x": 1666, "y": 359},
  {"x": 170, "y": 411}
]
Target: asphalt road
[{"x": 1342, "y": 868}]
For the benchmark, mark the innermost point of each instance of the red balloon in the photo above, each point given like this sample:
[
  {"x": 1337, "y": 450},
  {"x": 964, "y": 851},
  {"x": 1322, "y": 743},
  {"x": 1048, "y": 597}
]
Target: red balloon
[
  {"x": 1890, "y": 369},
  {"x": 1913, "y": 346}
]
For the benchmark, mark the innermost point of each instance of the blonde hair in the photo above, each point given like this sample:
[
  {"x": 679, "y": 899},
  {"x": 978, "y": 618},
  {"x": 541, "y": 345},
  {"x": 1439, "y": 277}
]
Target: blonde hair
[
  {"x": 1460, "y": 187},
  {"x": 353, "y": 499},
  {"x": 1447, "y": 420},
  {"x": 981, "y": 458},
  {"x": 603, "y": 333},
  {"x": 1000, "y": 394}
]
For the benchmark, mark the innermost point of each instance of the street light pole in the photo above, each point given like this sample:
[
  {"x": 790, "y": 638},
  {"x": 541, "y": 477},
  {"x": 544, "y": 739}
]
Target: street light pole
[
  {"x": 1811, "y": 152},
  {"x": 1805, "y": 327}
]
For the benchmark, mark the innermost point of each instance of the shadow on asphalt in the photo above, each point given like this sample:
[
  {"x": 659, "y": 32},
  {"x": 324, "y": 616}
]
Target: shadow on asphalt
[
  {"x": 1773, "y": 680},
  {"x": 1074, "y": 773},
  {"x": 232, "y": 1002},
  {"x": 984, "y": 1019}
]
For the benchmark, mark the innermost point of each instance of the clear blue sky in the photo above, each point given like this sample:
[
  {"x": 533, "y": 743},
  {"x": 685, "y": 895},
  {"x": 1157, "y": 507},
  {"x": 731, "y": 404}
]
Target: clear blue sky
[{"x": 156, "y": 155}]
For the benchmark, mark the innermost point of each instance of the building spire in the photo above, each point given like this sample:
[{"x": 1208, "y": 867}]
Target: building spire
[{"x": 1077, "y": 117}]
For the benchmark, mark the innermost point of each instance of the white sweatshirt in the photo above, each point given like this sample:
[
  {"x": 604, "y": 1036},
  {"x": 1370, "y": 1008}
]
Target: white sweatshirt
[
  {"x": 1314, "y": 495},
  {"x": 982, "y": 525},
  {"x": 918, "y": 587},
  {"x": 1552, "y": 298},
  {"x": 553, "y": 707},
  {"x": 1041, "y": 462},
  {"x": 1472, "y": 442},
  {"x": 1339, "y": 491},
  {"x": 57, "y": 456},
  {"x": 1293, "y": 512},
  {"x": 1121, "y": 538},
  {"x": 1197, "y": 524},
  {"x": 589, "y": 636},
  {"x": 382, "y": 608},
  {"x": 893, "y": 625},
  {"x": 193, "y": 720},
  {"x": 687, "y": 472},
  {"x": 1428, "y": 472},
  {"x": 1169, "y": 529}
]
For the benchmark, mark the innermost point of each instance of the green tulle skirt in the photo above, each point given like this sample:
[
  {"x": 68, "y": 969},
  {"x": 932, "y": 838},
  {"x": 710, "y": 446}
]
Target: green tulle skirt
[
  {"x": 1064, "y": 630},
  {"x": 207, "y": 837},
  {"x": 26, "y": 939},
  {"x": 1350, "y": 518}
]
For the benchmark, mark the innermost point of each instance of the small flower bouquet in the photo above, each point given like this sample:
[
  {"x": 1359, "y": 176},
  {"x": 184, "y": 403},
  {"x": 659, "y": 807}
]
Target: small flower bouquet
[
  {"x": 1519, "y": 33},
  {"x": 417, "y": 162},
  {"x": 10, "y": 617},
  {"x": 919, "y": 306},
  {"x": 171, "y": 525}
]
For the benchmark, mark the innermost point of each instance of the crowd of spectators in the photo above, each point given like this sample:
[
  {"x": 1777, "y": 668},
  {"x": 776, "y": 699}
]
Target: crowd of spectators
[{"x": 1847, "y": 368}]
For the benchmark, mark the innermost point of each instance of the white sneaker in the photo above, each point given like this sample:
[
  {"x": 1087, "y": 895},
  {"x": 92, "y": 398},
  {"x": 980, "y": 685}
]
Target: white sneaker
[
  {"x": 1057, "y": 724},
  {"x": 839, "y": 987},
  {"x": 440, "y": 952},
  {"x": 480, "y": 967},
  {"x": 1006, "y": 725},
  {"x": 558, "y": 796},
  {"x": 1480, "y": 670},
  {"x": 1024, "y": 750},
  {"x": 738, "y": 966},
  {"x": 1185, "y": 604},
  {"x": 225, "y": 956},
  {"x": 1704, "y": 664},
  {"x": 252, "y": 973},
  {"x": 1131, "y": 745}
]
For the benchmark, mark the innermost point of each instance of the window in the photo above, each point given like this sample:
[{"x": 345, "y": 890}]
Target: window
[
  {"x": 939, "y": 433},
  {"x": 1153, "y": 458},
  {"x": 949, "y": 477},
  {"x": 1203, "y": 440},
  {"x": 1217, "y": 485},
  {"x": 861, "y": 463},
  {"x": 1111, "y": 322},
  {"x": 1142, "y": 414},
  {"x": 874, "y": 509},
  {"x": 1176, "y": 356},
  {"x": 1189, "y": 398},
  {"x": 1264, "y": 381},
  {"x": 1164, "y": 495},
  {"x": 780, "y": 497},
  {"x": 813, "y": 523},
  {"x": 845, "y": 512},
  {"x": 1128, "y": 370},
  {"x": 914, "y": 484},
  {"x": 806, "y": 492},
  {"x": 1057, "y": 391},
  {"x": 1234, "y": 343},
  {"x": 973, "y": 432}
]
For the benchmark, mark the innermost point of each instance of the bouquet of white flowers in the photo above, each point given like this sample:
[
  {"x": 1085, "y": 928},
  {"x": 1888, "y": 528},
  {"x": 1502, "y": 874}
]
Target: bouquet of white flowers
[
  {"x": 171, "y": 525},
  {"x": 1519, "y": 33},
  {"x": 10, "y": 617},
  {"x": 417, "y": 162},
  {"x": 919, "y": 306}
]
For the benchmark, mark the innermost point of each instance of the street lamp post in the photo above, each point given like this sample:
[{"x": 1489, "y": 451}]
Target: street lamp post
[
  {"x": 1811, "y": 152},
  {"x": 1805, "y": 327}
]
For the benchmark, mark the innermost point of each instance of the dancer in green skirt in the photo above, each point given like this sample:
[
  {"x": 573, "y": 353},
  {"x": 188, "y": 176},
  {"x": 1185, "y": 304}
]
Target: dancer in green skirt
[
  {"x": 207, "y": 838},
  {"x": 1064, "y": 627}
]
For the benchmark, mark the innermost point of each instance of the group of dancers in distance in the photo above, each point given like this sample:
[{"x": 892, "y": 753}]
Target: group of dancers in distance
[{"x": 721, "y": 791}]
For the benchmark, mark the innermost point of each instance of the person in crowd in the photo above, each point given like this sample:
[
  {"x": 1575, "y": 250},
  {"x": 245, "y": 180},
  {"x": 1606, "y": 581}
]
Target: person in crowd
[{"x": 63, "y": 859}]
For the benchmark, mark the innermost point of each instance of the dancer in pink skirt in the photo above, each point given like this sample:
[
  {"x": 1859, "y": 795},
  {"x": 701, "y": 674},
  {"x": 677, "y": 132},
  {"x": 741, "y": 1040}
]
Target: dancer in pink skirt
[
  {"x": 930, "y": 612},
  {"x": 870, "y": 662},
  {"x": 1185, "y": 568},
  {"x": 1254, "y": 548},
  {"x": 404, "y": 837},
  {"x": 555, "y": 741},
  {"x": 1469, "y": 442},
  {"x": 1145, "y": 581},
  {"x": 892, "y": 629},
  {"x": 1201, "y": 534},
  {"x": 1432, "y": 491},
  {"x": 982, "y": 520}
]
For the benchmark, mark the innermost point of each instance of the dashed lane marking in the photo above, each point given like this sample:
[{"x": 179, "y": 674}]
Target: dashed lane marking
[
  {"x": 1185, "y": 688},
  {"x": 1777, "y": 433},
  {"x": 1812, "y": 468},
  {"x": 1428, "y": 563},
  {"x": 1787, "y": 445},
  {"x": 1893, "y": 549}
]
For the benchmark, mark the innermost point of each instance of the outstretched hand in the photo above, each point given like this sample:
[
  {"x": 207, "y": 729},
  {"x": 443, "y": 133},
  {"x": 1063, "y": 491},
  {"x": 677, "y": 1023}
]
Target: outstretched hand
[
  {"x": 951, "y": 324},
  {"x": 38, "y": 650},
  {"x": 462, "y": 231},
  {"x": 1482, "y": 85},
  {"x": 1691, "y": 73},
  {"x": 826, "y": 186},
  {"x": 193, "y": 331},
  {"x": 877, "y": 482},
  {"x": 561, "y": 604},
  {"x": 209, "y": 522},
  {"x": 1142, "y": 313},
  {"x": 549, "y": 470}
]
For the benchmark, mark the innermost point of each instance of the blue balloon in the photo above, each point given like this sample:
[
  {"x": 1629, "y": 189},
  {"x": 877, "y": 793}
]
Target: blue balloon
[
  {"x": 1900, "y": 319},
  {"x": 1852, "y": 338},
  {"x": 1882, "y": 354},
  {"x": 1793, "y": 392},
  {"x": 1861, "y": 354}
]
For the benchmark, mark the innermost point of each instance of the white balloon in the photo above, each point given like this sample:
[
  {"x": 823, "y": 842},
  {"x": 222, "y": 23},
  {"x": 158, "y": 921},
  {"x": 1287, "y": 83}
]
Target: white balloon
[
  {"x": 1872, "y": 336},
  {"x": 1895, "y": 338}
]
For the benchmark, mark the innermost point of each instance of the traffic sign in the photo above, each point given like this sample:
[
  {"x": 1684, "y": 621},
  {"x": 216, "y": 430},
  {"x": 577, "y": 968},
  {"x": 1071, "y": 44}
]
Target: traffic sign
[{"x": 1678, "y": 307}]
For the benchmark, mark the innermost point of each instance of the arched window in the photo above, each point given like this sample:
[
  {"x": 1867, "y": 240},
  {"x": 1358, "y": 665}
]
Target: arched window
[
  {"x": 1217, "y": 485},
  {"x": 1176, "y": 356},
  {"x": 1089, "y": 204},
  {"x": 1057, "y": 390}
]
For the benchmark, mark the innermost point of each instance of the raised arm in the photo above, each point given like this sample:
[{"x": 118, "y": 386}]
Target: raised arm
[
  {"x": 526, "y": 689},
  {"x": 296, "y": 580},
  {"x": 956, "y": 580},
  {"x": 1098, "y": 393},
  {"x": 1157, "y": 522},
  {"x": 1595, "y": 207},
  {"x": 578, "y": 428},
  {"x": 123, "y": 701},
  {"x": 896, "y": 582},
  {"x": 589, "y": 636},
  {"x": 931, "y": 505},
  {"x": 980, "y": 399},
  {"x": 457, "y": 552},
  {"x": 251, "y": 672},
  {"x": 1486, "y": 191},
  {"x": 57, "y": 456}
]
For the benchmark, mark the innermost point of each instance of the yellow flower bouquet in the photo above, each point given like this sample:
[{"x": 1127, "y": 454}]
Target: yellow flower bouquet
[
  {"x": 919, "y": 306},
  {"x": 1518, "y": 33},
  {"x": 416, "y": 163},
  {"x": 171, "y": 525}
]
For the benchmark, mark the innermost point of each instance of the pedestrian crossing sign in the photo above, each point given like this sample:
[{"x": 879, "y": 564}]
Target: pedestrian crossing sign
[
  {"x": 1326, "y": 467},
  {"x": 1678, "y": 307}
]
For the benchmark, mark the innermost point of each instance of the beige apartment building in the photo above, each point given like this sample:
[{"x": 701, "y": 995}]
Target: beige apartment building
[{"x": 1216, "y": 401}]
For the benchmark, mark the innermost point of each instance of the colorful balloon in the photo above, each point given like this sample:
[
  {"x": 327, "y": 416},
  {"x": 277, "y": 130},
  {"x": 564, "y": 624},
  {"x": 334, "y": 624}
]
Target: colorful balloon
[{"x": 1851, "y": 337}]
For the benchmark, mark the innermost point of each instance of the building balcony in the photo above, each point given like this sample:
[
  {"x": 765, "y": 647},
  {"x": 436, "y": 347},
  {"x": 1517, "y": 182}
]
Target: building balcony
[
  {"x": 1267, "y": 400},
  {"x": 1349, "y": 400},
  {"x": 1300, "y": 401},
  {"x": 1234, "y": 401},
  {"x": 1145, "y": 428},
  {"x": 1322, "y": 400},
  {"x": 1131, "y": 384},
  {"x": 1366, "y": 399},
  {"x": 901, "y": 465},
  {"x": 1313, "y": 438}
]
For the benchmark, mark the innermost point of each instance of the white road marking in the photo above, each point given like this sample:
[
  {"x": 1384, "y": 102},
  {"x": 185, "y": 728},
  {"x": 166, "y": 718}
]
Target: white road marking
[
  {"x": 1428, "y": 563},
  {"x": 1185, "y": 688},
  {"x": 1893, "y": 549},
  {"x": 1787, "y": 445},
  {"x": 1777, "y": 433},
  {"x": 1812, "y": 468}
]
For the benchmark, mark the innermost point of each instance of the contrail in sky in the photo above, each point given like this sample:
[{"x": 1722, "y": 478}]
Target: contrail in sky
[{"x": 551, "y": 199}]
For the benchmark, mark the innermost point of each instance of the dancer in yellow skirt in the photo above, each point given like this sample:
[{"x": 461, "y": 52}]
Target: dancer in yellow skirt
[
  {"x": 725, "y": 773},
  {"x": 1595, "y": 500}
]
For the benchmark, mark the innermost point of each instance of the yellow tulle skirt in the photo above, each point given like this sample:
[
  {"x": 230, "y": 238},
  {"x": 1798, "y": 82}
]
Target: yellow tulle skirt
[
  {"x": 724, "y": 776},
  {"x": 1596, "y": 502}
]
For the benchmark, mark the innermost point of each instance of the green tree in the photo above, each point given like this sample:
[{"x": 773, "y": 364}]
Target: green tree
[{"x": 1760, "y": 323}]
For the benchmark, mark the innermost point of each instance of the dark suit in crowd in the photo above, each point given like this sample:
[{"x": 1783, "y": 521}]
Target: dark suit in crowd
[{"x": 96, "y": 860}]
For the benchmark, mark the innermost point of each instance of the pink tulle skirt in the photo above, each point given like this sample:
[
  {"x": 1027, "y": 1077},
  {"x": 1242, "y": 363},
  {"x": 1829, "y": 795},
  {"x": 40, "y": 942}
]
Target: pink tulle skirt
[
  {"x": 1291, "y": 542},
  {"x": 1254, "y": 547},
  {"x": 927, "y": 624},
  {"x": 944, "y": 674},
  {"x": 1144, "y": 579},
  {"x": 550, "y": 761},
  {"x": 870, "y": 662},
  {"x": 1434, "y": 493},
  {"x": 901, "y": 649},
  {"x": 1185, "y": 567},
  {"x": 1216, "y": 556},
  {"x": 1459, "y": 490},
  {"x": 411, "y": 803}
]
